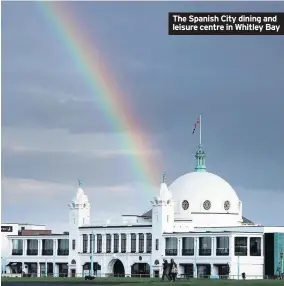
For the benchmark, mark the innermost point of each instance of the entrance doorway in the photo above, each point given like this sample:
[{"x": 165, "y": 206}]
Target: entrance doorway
[
  {"x": 63, "y": 269},
  {"x": 118, "y": 269},
  {"x": 223, "y": 270},
  {"x": 140, "y": 270},
  {"x": 187, "y": 269},
  {"x": 156, "y": 273},
  {"x": 203, "y": 270},
  {"x": 73, "y": 273}
]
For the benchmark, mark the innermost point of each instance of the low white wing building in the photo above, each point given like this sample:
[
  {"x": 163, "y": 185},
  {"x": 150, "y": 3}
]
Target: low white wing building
[{"x": 197, "y": 221}]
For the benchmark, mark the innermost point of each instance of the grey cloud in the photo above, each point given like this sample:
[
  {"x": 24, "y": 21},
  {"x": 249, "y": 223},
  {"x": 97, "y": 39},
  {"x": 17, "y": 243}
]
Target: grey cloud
[
  {"x": 57, "y": 196},
  {"x": 47, "y": 112},
  {"x": 235, "y": 82},
  {"x": 66, "y": 167}
]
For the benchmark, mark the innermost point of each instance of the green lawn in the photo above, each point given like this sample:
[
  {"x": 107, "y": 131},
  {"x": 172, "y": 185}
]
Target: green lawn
[{"x": 135, "y": 281}]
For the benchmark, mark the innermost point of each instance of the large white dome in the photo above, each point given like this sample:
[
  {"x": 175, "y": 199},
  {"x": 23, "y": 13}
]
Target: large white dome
[{"x": 200, "y": 193}]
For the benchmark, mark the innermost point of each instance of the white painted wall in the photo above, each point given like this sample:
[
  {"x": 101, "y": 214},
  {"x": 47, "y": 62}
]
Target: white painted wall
[{"x": 6, "y": 246}]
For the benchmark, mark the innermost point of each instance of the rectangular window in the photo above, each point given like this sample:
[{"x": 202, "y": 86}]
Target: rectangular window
[
  {"x": 149, "y": 243},
  {"x": 17, "y": 247},
  {"x": 187, "y": 246},
  {"x": 241, "y": 246},
  {"x": 255, "y": 246},
  {"x": 99, "y": 243},
  {"x": 73, "y": 244},
  {"x": 63, "y": 247},
  {"x": 141, "y": 242},
  {"x": 222, "y": 246},
  {"x": 205, "y": 246},
  {"x": 32, "y": 247},
  {"x": 133, "y": 242},
  {"x": 108, "y": 243},
  {"x": 157, "y": 244},
  {"x": 85, "y": 243},
  {"x": 92, "y": 242},
  {"x": 171, "y": 246},
  {"x": 47, "y": 247},
  {"x": 123, "y": 243},
  {"x": 115, "y": 243}
]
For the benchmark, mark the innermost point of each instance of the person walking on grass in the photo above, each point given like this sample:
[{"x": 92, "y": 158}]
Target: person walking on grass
[
  {"x": 173, "y": 270},
  {"x": 165, "y": 270}
]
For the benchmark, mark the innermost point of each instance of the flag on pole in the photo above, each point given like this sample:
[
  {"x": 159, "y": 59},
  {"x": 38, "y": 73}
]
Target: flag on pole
[{"x": 196, "y": 124}]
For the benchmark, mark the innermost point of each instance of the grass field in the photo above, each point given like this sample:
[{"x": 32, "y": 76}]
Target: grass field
[{"x": 135, "y": 281}]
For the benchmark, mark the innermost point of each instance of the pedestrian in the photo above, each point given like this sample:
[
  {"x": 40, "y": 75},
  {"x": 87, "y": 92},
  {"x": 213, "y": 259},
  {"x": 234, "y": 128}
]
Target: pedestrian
[
  {"x": 165, "y": 269},
  {"x": 173, "y": 270}
]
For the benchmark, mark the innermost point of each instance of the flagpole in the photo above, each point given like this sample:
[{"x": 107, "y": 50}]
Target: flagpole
[{"x": 200, "y": 130}]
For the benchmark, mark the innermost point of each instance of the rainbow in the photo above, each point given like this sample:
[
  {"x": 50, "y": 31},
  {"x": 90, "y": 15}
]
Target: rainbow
[{"x": 98, "y": 77}]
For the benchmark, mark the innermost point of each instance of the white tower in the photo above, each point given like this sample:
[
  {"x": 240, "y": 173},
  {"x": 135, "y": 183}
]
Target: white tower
[
  {"x": 162, "y": 221},
  {"x": 79, "y": 215}
]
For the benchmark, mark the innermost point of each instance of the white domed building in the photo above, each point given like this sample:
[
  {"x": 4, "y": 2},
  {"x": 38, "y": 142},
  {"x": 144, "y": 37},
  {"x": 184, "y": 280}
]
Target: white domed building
[{"x": 197, "y": 220}]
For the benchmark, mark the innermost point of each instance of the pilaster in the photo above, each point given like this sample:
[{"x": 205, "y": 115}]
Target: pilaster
[
  {"x": 95, "y": 243},
  {"x": 38, "y": 270},
  {"x": 137, "y": 242},
  {"x": 112, "y": 243},
  {"x": 39, "y": 246},
  {"x": 119, "y": 242},
  {"x": 103, "y": 243},
  {"x": 128, "y": 242}
]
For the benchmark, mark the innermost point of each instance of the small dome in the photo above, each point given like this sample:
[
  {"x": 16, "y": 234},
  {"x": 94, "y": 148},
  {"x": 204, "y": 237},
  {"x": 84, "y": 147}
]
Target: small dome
[
  {"x": 80, "y": 197},
  {"x": 165, "y": 193}
]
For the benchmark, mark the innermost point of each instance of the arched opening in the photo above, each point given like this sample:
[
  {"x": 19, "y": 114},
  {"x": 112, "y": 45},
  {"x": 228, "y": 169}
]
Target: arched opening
[
  {"x": 116, "y": 268},
  {"x": 140, "y": 270},
  {"x": 87, "y": 268}
]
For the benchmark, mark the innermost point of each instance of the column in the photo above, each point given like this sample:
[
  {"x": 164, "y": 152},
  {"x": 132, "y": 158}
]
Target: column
[
  {"x": 248, "y": 243},
  {"x": 179, "y": 246},
  {"x": 55, "y": 247},
  {"x": 232, "y": 245},
  {"x": 81, "y": 243},
  {"x": 112, "y": 243},
  {"x": 196, "y": 247},
  {"x": 103, "y": 243},
  {"x": 128, "y": 242},
  {"x": 212, "y": 270},
  {"x": 38, "y": 269},
  {"x": 213, "y": 248},
  {"x": 24, "y": 246},
  {"x": 119, "y": 242},
  {"x": 145, "y": 242},
  {"x": 89, "y": 243},
  {"x": 39, "y": 246},
  {"x": 137, "y": 242},
  {"x": 95, "y": 243}
]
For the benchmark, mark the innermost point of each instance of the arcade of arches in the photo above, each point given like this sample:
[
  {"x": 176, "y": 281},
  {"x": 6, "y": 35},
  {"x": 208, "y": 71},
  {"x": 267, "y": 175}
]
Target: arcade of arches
[{"x": 116, "y": 268}]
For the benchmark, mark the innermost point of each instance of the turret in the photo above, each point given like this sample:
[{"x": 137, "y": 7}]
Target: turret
[
  {"x": 162, "y": 218},
  {"x": 79, "y": 215}
]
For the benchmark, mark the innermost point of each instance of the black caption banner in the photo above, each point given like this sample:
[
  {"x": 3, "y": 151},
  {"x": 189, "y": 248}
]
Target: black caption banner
[{"x": 226, "y": 23}]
